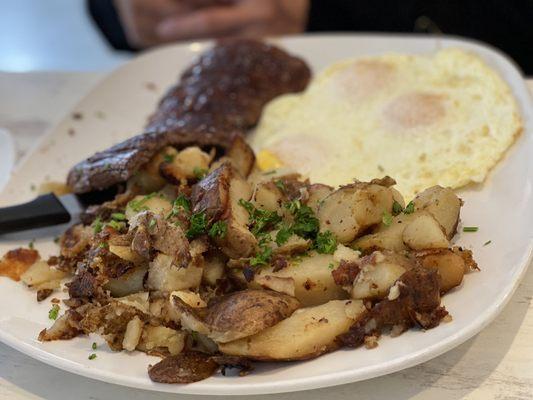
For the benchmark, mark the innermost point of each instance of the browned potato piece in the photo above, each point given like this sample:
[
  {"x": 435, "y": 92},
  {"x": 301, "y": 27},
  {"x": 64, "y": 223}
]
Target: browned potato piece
[
  {"x": 379, "y": 272},
  {"x": 351, "y": 209},
  {"x": 166, "y": 277},
  {"x": 130, "y": 282},
  {"x": 443, "y": 204},
  {"x": 267, "y": 196},
  {"x": 308, "y": 333},
  {"x": 317, "y": 192},
  {"x": 313, "y": 282},
  {"x": 239, "y": 242},
  {"x": 242, "y": 156},
  {"x": 211, "y": 194},
  {"x": 424, "y": 232},
  {"x": 149, "y": 178},
  {"x": 451, "y": 267},
  {"x": 185, "y": 164},
  {"x": 386, "y": 237},
  {"x": 238, "y": 315}
]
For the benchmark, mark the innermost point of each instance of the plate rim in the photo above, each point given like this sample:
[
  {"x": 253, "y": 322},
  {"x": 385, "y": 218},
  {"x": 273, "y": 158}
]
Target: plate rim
[{"x": 307, "y": 383}]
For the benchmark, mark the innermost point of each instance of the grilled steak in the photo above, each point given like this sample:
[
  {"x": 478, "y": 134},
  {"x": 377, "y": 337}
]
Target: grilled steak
[{"x": 218, "y": 97}]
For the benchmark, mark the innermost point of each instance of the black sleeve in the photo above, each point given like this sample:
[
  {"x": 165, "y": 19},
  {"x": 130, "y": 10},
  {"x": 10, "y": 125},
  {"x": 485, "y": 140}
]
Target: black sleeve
[
  {"x": 104, "y": 14},
  {"x": 507, "y": 25}
]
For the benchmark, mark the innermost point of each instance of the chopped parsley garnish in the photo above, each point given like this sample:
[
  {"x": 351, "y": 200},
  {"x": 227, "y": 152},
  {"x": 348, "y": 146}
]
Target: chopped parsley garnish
[
  {"x": 386, "y": 219},
  {"x": 409, "y": 208},
  {"x": 331, "y": 265},
  {"x": 283, "y": 235},
  {"x": 168, "y": 158},
  {"x": 487, "y": 243},
  {"x": 326, "y": 243},
  {"x": 56, "y": 239},
  {"x": 93, "y": 346},
  {"x": 199, "y": 173},
  {"x": 54, "y": 311},
  {"x": 280, "y": 185},
  {"x": 31, "y": 245},
  {"x": 263, "y": 257},
  {"x": 271, "y": 172},
  {"x": 470, "y": 229},
  {"x": 152, "y": 223},
  {"x": 139, "y": 205},
  {"x": 97, "y": 225},
  {"x": 182, "y": 202},
  {"x": 103, "y": 245},
  {"x": 305, "y": 223},
  {"x": 198, "y": 225},
  {"x": 92, "y": 356},
  {"x": 116, "y": 225},
  {"x": 118, "y": 216},
  {"x": 396, "y": 208},
  {"x": 219, "y": 229},
  {"x": 259, "y": 220}
]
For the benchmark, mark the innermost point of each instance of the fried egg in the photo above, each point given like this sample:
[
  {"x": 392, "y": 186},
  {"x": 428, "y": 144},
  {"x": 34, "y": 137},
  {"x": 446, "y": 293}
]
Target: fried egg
[{"x": 444, "y": 119}]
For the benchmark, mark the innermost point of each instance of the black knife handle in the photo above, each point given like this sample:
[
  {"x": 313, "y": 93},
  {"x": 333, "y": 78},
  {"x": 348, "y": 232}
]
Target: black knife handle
[{"x": 45, "y": 210}]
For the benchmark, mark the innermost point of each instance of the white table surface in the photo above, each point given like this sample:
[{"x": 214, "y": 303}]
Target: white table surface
[{"x": 495, "y": 364}]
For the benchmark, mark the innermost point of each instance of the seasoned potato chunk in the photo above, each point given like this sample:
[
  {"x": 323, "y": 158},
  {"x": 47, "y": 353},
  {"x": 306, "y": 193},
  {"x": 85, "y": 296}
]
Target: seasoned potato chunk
[
  {"x": 424, "y": 232},
  {"x": 130, "y": 282},
  {"x": 443, "y": 204},
  {"x": 313, "y": 282},
  {"x": 450, "y": 266},
  {"x": 351, "y": 209},
  {"x": 308, "y": 333},
  {"x": 166, "y": 277}
]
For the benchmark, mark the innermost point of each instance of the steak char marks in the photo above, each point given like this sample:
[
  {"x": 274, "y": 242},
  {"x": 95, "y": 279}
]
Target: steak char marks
[{"x": 218, "y": 97}]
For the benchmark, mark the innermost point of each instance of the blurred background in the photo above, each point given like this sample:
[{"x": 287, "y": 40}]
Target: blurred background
[{"x": 91, "y": 35}]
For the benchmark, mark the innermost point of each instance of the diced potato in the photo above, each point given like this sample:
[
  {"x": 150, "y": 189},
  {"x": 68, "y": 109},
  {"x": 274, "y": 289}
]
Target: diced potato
[
  {"x": 126, "y": 253},
  {"x": 138, "y": 300},
  {"x": 160, "y": 337},
  {"x": 239, "y": 242},
  {"x": 386, "y": 237},
  {"x": 130, "y": 282},
  {"x": 317, "y": 192},
  {"x": 267, "y": 196},
  {"x": 165, "y": 277},
  {"x": 40, "y": 276},
  {"x": 451, "y": 267},
  {"x": 148, "y": 178},
  {"x": 313, "y": 282},
  {"x": 132, "y": 335},
  {"x": 214, "y": 269},
  {"x": 374, "y": 281},
  {"x": 351, "y": 209},
  {"x": 443, "y": 204},
  {"x": 277, "y": 284},
  {"x": 424, "y": 232},
  {"x": 307, "y": 333},
  {"x": 190, "y": 298},
  {"x": 187, "y": 163},
  {"x": 345, "y": 253},
  {"x": 157, "y": 204}
]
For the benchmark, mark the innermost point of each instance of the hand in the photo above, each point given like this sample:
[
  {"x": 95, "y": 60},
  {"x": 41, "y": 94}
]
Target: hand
[
  {"x": 141, "y": 17},
  {"x": 150, "y": 22}
]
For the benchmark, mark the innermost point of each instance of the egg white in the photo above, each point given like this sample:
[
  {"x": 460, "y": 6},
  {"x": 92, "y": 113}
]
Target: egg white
[{"x": 424, "y": 120}]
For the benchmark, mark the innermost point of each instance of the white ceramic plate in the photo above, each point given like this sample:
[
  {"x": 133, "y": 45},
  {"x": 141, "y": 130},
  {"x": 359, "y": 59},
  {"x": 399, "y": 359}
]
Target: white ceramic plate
[
  {"x": 118, "y": 107},
  {"x": 7, "y": 156}
]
